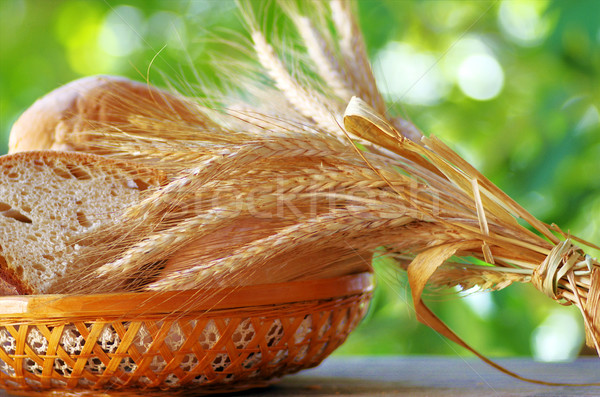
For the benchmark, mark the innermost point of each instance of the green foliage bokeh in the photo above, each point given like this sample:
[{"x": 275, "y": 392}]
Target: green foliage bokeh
[{"x": 538, "y": 139}]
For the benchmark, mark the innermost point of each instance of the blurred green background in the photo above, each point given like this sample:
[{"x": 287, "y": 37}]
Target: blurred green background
[{"x": 513, "y": 86}]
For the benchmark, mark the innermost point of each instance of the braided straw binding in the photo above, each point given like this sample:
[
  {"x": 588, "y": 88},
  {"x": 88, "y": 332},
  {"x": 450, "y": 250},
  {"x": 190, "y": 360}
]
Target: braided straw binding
[{"x": 213, "y": 341}]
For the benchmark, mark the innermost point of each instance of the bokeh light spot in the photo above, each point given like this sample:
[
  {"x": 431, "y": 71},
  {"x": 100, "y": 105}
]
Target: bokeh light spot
[
  {"x": 169, "y": 28},
  {"x": 480, "y": 77},
  {"x": 122, "y": 31},
  {"x": 522, "y": 21},
  {"x": 558, "y": 338},
  {"x": 481, "y": 303},
  {"x": 405, "y": 74}
]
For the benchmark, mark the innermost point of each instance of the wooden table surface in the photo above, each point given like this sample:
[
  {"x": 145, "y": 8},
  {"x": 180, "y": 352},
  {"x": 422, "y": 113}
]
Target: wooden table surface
[
  {"x": 416, "y": 376},
  {"x": 435, "y": 376}
]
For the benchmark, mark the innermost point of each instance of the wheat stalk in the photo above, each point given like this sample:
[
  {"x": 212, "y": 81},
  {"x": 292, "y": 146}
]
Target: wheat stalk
[
  {"x": 308, "y": 103},
  {"x": 353, "y": 51},
  {"x": 324, "y": 60}
]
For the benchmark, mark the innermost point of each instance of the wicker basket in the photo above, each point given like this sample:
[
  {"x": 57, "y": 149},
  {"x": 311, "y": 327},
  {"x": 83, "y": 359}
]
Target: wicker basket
[{"x": 211, "y": 341}]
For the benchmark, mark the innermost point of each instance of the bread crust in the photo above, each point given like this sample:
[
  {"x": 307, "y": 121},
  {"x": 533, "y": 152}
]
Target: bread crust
[
  {"x": 92, "y": 103},
  {"x": 10, "y": 282},
  {"x": 155, "y": 176}
]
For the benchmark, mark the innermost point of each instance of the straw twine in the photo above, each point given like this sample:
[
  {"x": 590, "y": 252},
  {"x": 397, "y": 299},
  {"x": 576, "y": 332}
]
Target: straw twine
[{"x": 568, "y": 261}]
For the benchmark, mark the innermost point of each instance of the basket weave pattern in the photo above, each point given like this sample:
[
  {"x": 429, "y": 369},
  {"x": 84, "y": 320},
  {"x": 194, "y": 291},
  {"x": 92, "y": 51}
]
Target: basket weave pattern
[{"x": 223, "y": 349}]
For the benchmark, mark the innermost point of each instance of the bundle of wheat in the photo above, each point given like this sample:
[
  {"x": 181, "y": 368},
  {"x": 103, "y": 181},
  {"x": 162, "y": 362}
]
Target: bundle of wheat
[{"x": 304, "y": 178}]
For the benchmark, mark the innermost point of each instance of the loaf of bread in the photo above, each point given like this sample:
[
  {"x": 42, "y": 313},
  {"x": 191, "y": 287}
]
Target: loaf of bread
[
  {"x": 48, "y": 199},
  {"x": 57, "y": 120}
]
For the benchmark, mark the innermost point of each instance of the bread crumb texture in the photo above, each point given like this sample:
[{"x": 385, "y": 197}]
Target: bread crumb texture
[{"x": 48, "y": 199}]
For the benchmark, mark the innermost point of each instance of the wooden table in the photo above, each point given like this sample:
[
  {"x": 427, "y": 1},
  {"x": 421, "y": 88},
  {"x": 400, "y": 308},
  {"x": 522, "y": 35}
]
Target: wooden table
[
  {"x": 415, "y": 376},
  {"x": 434, "y": 376}
]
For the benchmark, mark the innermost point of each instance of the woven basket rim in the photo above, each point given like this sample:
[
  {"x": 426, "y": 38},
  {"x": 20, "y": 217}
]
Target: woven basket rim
[{"x": 144, "y": 303}]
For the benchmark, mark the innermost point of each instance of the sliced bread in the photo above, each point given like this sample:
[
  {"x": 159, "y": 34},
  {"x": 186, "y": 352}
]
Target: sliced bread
[{"x": 49, "y": 198}]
